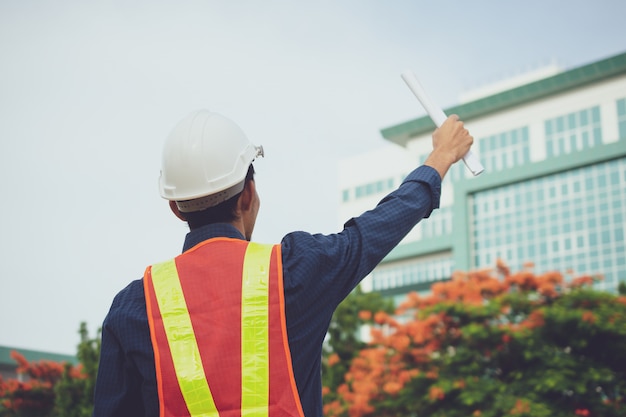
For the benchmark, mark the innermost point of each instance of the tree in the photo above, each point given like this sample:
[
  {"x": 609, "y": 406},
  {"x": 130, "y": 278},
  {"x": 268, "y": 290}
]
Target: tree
[
  {"x": 74, "y": 391},
  {"x": 34, "y": 397},
  {"x": 492, "y": 343},
  {"x": 53, "y": 389},
  {"x": 344, "y": 340}
]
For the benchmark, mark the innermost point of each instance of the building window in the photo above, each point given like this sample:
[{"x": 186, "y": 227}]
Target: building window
[
  {"x": 371, "y": 188},
  {"x": 401, "y": 274},
  {"x": 621, "y": 117},
  {"x": 560, "y": 222},
  {"x": 438, "y": 224},
  {"x": 505, "y": 150},
  {"x": 345, "y": 195},
  {"x": 573, "y": 132}
]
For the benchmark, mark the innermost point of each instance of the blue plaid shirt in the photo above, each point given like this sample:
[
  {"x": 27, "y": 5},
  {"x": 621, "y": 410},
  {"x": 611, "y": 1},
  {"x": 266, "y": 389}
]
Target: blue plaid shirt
[{"x": 319, "y": 272}]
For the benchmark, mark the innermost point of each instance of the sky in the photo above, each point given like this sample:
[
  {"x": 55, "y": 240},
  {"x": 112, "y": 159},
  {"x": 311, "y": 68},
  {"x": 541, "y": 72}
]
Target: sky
[{"x": 90, "y": 90}]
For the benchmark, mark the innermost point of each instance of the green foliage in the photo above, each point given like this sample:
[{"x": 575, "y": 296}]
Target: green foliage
[
  {"x": 344, "y": 339},
  {"x": 565, "y": 364},
  {"x": 53, "y": 389},
  {"x": 32, "y": 395},
  {"x": 488, "y": 345},
  {"x": 74, "y": 391}
]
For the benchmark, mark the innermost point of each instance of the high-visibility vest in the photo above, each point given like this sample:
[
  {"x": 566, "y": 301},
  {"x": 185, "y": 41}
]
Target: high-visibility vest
[{"x": 218, "y": 329}]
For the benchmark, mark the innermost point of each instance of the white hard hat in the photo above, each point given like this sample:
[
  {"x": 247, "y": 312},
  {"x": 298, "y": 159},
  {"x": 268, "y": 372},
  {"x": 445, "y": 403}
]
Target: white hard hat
[{"x": 205, "y": 161}]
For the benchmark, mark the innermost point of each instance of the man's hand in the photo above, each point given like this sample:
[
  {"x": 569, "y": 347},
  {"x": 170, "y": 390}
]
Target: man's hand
[{"x": 450, "y": 142}]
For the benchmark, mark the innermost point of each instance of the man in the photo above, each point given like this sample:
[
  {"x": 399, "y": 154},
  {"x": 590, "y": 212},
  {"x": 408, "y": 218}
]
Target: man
[{"x": 231, "y": 327}]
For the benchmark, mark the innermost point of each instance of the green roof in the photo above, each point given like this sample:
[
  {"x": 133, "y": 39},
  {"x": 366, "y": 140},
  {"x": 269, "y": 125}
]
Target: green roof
[
  {"x": 524, "y": 94},
  {"x": 33, "y": 356}
]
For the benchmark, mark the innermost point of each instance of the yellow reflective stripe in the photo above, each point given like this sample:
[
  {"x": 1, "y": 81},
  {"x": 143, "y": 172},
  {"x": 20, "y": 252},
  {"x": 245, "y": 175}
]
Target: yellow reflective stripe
[
  {"x": 182, "y": 340},
  {"x": 255, "y": 331}
]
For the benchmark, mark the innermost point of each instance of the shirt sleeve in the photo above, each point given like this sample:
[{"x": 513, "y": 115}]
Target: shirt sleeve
[{"x": 332, "y": 265}]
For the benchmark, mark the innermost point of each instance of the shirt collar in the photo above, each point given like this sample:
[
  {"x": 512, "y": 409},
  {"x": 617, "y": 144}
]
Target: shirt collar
[{"x": 210, "y": 231}]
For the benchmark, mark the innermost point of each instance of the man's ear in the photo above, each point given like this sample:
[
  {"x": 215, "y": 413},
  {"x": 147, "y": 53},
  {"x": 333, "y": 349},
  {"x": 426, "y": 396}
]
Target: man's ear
[
  {"x": 247, "y": 196},
  {"x": 176, "y": 212}
]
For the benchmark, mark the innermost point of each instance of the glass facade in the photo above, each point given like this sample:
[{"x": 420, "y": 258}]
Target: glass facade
[
  {"x": 571, "y": 220},
  {"x": 573, "y": 132},
  {"x": 416, "y": 271},
  {"x": 505, "y": 150},
  {"x": 621, "y": 117},
  {"x": 365, "y": 190},
  {"x": 564, "y": 210},
  {"x": 438, "y": 224}
]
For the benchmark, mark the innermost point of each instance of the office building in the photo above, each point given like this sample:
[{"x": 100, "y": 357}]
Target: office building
[{"x": 553, "y": 191}]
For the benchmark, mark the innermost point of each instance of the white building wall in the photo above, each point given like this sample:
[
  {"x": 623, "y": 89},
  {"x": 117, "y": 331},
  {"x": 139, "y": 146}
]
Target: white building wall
[
  {"x": 534, "y": 114},
  {"x": 389, "y": 162},
  {"x": 395, "y": 162}
]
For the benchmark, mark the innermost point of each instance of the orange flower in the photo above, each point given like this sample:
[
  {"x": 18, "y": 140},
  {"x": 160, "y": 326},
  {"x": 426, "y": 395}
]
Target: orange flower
[
  {"x": 392, "y": 387},
  {"x": 333, "y": 408},
  {"x": 436, "y": 393},
  {"x": 547, "y": 290},
  {"x": 360, "y": 406},
  {"x": 477, "y": 413},
  {"x": 400, "y": 342},
  {"x": 365, "y": 387},
  {"x": 381, "y": 317},
  {"x": 503, "y": 268},
  {"x": 333, "y": 359},
  {"x": 405, "y": 376},
  {"x": 581, "y": 281},
  {"x": 553, "y": 277},
  {"x": 535, "y": 319},
  {"x": 521, "y": 407},
  {"x": 365, "y": 315},
  {"x": 376, "y": 335},
  {"x": 589, "y": 317}
]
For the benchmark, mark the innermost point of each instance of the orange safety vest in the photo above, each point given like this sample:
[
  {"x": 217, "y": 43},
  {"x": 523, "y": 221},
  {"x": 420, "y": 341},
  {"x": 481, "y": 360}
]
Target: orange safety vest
[{"x": 220, "y": 343}]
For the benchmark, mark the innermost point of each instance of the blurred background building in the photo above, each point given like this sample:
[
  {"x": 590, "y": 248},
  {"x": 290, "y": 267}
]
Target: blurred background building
[{"x": 553, "y": 144}]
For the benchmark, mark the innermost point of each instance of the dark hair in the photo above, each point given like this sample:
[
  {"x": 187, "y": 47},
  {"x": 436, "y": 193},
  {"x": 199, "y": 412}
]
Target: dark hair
[{"x": 222, "y": 213}]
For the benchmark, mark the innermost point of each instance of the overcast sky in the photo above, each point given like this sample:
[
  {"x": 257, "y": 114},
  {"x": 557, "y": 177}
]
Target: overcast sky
[{"x": 90, "y": 90}]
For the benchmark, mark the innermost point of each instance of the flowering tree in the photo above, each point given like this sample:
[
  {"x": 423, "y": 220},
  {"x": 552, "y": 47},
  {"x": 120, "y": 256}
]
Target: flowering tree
[
  {"x": 52, "y": 389},
  {"x": 493, "y": 343},
  {"x": 34, "y": 397},
  {"x": 344, "y": 341}
]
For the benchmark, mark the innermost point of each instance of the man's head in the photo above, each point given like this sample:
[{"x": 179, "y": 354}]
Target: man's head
[
  {"x": 240, "y": 210},
  {"x": 207, "y": 172}
]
